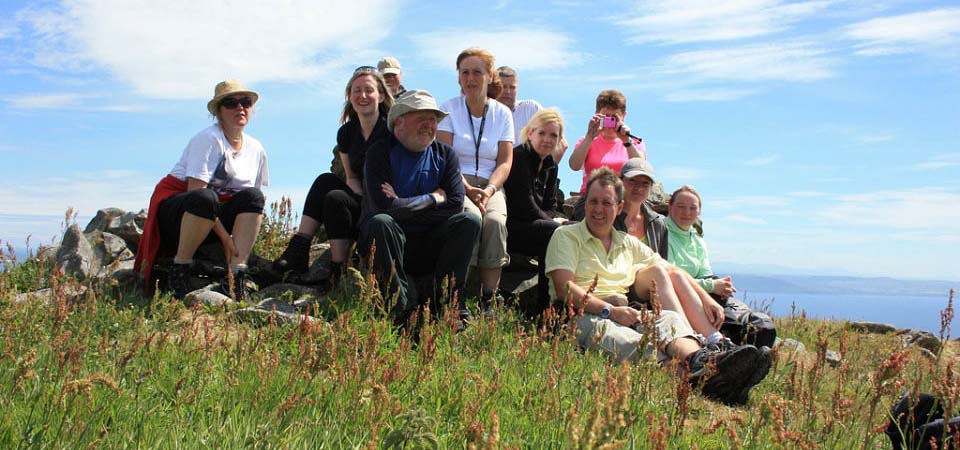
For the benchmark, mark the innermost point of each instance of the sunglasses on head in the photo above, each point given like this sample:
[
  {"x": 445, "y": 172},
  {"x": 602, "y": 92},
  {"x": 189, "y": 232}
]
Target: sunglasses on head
[
  {"x": 366, "y": 69},
  {"x": 234, "y": 102}
]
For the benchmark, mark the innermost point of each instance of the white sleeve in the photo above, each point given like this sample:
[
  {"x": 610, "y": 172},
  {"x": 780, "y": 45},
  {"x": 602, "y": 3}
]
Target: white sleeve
[
  {"x": 506, "y": 130},
  {"x": 447, "y": 123},
  {"x": 263, "y": 177},
  {"x": 202, "y": 156}
]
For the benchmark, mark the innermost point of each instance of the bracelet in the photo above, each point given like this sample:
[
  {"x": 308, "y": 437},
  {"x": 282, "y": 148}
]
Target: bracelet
[{"x": 495, "y": 188}]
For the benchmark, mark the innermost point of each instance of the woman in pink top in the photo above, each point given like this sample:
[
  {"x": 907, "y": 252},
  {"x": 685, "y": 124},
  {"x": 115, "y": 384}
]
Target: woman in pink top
[{"x": 607, "y": 142}]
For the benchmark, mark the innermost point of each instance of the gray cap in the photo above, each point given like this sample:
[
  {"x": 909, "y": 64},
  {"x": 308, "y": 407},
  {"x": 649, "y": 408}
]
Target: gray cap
[
  {"x": 389, "y": 64},
  {"x": 413, "y": 100},
  {"x": 636, "y": 167}
]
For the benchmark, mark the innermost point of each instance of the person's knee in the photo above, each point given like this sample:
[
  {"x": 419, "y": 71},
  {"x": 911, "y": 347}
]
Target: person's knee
[
  {"x": 202, "y": 203},
  {"x": 335, "y": 201},
  {"x": 251, "y": 200},
  {"x": 467, "y": 224},
  {"x": 380, "y": 224}
]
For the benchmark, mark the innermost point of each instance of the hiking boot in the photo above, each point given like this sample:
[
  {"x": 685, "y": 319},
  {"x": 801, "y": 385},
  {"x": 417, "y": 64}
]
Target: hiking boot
[
  {"x": 296, "y": 257},
  {"x": 764, "y": 362},
  {"x": 178, "y": 280},
  {"x": 238, "y": 291},
  {"x": 722, "y": 374},
  {"x": 487, "y": 301}
]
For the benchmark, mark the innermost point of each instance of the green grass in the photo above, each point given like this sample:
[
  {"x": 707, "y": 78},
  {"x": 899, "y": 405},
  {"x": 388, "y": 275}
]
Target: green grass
[{"x": 115, "y": 371}]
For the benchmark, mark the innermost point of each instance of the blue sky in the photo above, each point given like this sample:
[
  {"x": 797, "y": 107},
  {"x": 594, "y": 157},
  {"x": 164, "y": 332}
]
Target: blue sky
[{"x": 823, "y": 135}]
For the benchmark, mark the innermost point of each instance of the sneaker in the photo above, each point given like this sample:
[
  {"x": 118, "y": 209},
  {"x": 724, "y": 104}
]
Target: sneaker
[
  {"x": 721, "y": 374},
  {"x": 764, "y": 362},
  {"x": 296, "y": 257},
  {"x": 178, "y": 281}
]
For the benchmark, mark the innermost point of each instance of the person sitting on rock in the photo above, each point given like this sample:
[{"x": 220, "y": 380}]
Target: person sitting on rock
[
  {"x": 215, "y": 186},
  {"x": 624, "y": 268},
  {"x": 531, "y": 195},
  {"x": 413, "y": 211},
  {"x": 335, "y": 202}
]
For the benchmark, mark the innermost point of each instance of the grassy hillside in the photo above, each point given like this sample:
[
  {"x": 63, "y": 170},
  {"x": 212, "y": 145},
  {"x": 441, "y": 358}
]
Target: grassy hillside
[{"x": 114, "y": 370}]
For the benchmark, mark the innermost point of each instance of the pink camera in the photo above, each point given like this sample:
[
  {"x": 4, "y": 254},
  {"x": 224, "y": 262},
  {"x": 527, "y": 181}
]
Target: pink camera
[{"x": 608, "y": 122}]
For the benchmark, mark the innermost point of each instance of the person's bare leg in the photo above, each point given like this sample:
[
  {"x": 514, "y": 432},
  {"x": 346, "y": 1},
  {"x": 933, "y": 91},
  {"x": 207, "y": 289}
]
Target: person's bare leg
[
  {"x": 340, "y": 250},
  {"x": 682, "y": 347},
  {"x": 193, "y": 230},
  {"x": 691, "y": 303},
  {"x": 308, "y": 226},
  {"x": 245, "y": 229},
  {"x": 490, "y": 278},
  {"x": 668, "y": 298}
]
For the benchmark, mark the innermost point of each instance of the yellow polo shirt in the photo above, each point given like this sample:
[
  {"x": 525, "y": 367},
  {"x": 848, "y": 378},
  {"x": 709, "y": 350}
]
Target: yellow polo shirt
[{"x": 573, "y": 248}]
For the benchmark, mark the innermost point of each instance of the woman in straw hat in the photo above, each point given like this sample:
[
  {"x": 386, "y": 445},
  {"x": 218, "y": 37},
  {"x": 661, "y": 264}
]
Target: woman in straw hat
[
  {"x": 214, "y": 187},
  {"x": 335, "y": 202}
]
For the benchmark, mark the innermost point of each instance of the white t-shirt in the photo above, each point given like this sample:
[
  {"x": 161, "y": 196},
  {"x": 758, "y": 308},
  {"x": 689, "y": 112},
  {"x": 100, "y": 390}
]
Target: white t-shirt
[
  {"x": 523, "y": 111},
  {"x": 498, "y": 127},
  {"x": 208, "y": 157}
]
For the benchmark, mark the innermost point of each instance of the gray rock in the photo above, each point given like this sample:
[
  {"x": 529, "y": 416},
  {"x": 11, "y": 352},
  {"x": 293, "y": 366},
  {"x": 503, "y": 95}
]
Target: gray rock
[
  {"x": 126, "y": 276},
  {"x": 48, "y": 253},
  {"x": 320, "y": 266},
  {"x": 76, "y": 256},
  {"x": 207, "y": 298},
  {"x": 284, "y": 314},
  {"x": 872, "y": 327},
  {"x": 793, "y": 345},
  {"x": 103, "y": 219},
  {"x": 833, "y": 358},
  {"x": 288, "y": 292},
  {"x": 71, "y": 293},
  {"x": 920, "y": 338},
  {"x": 108, "y": 247},
  {"x": 127, "y": 228},
  {"x": 927, "y": 353}
]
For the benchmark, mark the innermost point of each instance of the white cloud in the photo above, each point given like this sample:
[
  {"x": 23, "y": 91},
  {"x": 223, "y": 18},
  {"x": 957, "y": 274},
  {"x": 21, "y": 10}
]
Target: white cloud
[
  {"x": 180, "y": 48},
  {"x": 531, "y": 49},
  {"x": 707, "y": 95},
  {"x": 679, "y": 174},
  {"x": 684, "y": 21},
  {"x": 70, "y": 101},
  {"x": 739, "y": 218},
  {"x": 747, "y": 202},
  {"x": 937, "y": 28},
  {"x": 762, "y": 160},
  {"x": 786, "y": 61},
  {"x": 939, "y": 162},
  {"x": 931, "y": 208},
  {"x": 85, "y": 192}
]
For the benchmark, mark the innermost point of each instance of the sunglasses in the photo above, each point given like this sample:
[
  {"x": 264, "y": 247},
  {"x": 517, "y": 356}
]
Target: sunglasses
[
  {"x": 366, "y": 69},
  {"x": 234, "y": 102}
]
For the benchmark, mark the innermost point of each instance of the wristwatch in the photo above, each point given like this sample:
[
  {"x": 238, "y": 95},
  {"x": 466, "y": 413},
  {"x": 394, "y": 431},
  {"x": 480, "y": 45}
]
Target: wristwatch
[{"x": 605, "y": 312}]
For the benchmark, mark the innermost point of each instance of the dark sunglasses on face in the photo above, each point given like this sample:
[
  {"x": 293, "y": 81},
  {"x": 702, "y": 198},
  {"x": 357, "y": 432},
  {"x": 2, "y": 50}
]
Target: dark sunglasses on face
[{"x": 234, "y": 102}]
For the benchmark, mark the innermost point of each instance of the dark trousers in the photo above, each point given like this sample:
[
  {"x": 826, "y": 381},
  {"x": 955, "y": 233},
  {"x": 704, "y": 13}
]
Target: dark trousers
[
  {"x": 444, "y": 250},
  {"x": 531, "y": 239},
  {"x": 331, "y": 202},
  {"x": 204, "y": 203}
]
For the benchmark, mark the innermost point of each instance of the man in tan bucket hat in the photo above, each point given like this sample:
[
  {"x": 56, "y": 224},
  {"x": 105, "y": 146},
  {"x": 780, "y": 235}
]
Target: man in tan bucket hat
[{"x": 413, "y": 211}]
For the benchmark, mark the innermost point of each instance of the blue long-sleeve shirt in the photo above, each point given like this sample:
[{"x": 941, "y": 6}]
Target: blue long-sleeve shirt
[{"x": 414, "y": 176}]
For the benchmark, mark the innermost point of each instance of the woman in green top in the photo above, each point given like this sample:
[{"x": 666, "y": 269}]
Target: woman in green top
[{"x": 686, "y": 249}]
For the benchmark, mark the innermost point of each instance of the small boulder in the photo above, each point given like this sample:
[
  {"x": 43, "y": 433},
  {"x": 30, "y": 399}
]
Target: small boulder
[
  {"x": 792, "y": 345},
  {"x": 127, "y": 228},
  {"x": 104, "y": 218},
  {"x": 207, "y": 298},
  {"x": 279, "y": 312},
  {"x": 76, "y": 256},
  {"x": 872, "y": 327},
  {"x": 927, "y": 353},
  {"x": 109, "y": 247},
  {"x": 288, "y": 291},
  {"x": 833, "y": 358},
  {"x": 71, "y": 293},
  {"x": 920, "y": 338}
]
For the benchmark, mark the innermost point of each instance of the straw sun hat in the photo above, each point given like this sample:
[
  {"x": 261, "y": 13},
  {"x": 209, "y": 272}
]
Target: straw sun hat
[{"x": 228, "y": 88}]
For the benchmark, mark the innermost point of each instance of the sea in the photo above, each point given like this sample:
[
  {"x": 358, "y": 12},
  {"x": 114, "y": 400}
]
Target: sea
[{"x": 918, "y": 312}]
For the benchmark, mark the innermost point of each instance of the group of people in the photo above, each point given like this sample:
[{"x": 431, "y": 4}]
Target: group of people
[{"x": 430, "y": 190}]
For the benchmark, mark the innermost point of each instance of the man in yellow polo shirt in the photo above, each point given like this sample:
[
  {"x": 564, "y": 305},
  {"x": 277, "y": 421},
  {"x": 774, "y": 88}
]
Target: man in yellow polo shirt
[{"x": 624, "y": 268}]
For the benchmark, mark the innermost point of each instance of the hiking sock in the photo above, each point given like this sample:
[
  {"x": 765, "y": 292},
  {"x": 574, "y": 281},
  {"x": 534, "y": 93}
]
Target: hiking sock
[{"x": 714, "y": 337}]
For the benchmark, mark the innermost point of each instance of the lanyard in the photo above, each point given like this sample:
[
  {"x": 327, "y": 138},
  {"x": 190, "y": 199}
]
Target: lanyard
[{"x": 478, "y": 137}]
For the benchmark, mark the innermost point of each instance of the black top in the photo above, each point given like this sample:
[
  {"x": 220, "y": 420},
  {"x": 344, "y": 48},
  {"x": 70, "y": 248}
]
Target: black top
[
  {"x": 379, "y": 170},
  {"x": 531, "y": 194},
  {"x": 350, "y": 141}
]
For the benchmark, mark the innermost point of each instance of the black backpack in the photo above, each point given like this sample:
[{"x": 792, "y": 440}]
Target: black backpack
[{"x": 745, "y": 326}]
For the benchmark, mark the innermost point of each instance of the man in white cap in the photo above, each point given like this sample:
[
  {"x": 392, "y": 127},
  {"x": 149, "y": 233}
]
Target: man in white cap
[
  {"x": 392, "y": 73},
  {"x": 413, "y": 210}
]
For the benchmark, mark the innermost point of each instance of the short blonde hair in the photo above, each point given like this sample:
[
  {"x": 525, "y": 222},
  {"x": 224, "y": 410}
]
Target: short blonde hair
[{"x": 541, "y": 118}]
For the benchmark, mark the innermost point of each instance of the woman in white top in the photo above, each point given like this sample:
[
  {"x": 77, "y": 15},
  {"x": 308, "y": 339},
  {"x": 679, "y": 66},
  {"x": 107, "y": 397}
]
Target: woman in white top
[
  {"x": 214, "y": 187},
  {"x": 480, "y": 130}
]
